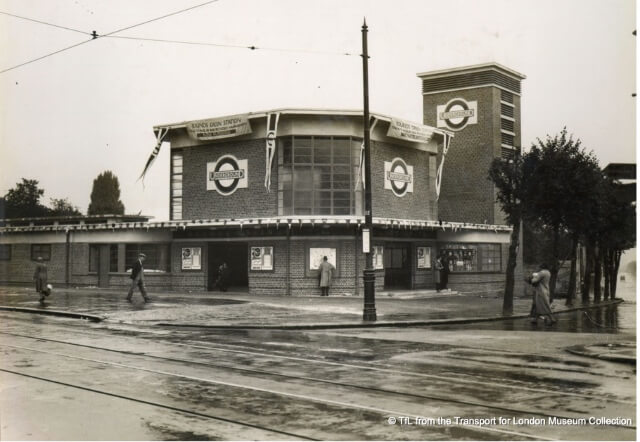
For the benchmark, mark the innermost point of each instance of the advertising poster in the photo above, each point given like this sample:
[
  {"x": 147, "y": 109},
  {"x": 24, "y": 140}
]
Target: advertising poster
[
  {"x": 191, "y": 258},
  {"x": 261, "y": 258},
  {"x": 424, "y": 257}
]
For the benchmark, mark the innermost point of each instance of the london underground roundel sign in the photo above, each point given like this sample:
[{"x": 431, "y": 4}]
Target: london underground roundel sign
[
  {"x": 398, "y": 177},
  {"x": 457, "y": 114},
  {"x": 227, "y": 175}
]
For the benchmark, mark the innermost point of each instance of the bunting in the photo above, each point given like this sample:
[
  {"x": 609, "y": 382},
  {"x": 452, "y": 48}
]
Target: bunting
[
  {"x": 445, "y": 148},
  {"x": 361, "y": 172},
  {"x": 272, "y": 128},
  {"x": 162, "y": 132}
]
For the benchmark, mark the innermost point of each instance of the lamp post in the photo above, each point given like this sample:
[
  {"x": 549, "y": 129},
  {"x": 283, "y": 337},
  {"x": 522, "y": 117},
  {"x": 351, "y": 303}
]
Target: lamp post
[{"x": 369, "y": 274}]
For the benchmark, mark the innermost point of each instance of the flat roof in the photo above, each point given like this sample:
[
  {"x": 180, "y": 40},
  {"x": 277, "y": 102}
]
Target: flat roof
[
  {"x": 473, "y": 68},
  {"x": 304, "y": 111}
]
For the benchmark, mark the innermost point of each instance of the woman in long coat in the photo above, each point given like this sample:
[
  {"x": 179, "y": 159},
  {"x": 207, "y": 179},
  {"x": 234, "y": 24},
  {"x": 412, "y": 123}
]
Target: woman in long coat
[
  {"x": 541, "y": 305},
  {"x": 326, "y": 273},
  {"x": 437, "y": 273}
]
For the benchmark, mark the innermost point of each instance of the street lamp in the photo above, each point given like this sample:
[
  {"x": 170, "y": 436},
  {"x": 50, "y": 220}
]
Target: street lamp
[{"x": 369, "y": 274}]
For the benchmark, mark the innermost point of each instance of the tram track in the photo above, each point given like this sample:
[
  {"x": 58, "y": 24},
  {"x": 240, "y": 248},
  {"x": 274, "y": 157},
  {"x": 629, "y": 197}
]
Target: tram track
[
  {"x": 383, "y": 412},
  {"x": 306, "y": 379},
  {"x": 385, "y": 370}
]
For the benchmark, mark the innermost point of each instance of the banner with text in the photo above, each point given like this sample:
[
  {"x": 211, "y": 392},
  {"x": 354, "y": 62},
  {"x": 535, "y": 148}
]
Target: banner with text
[
  {"x": 405, "y": 130},
  {"x": 217, "y": 128}
]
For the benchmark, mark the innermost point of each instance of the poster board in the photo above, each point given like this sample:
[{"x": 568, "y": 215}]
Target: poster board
[
  {"x": 378, "y": 257},
  {"x": 317, "y": 253},
  {"x": 262, "y": 258},
  {"x": 192, "y": 258},
  {"x": 423, "y": 255}
]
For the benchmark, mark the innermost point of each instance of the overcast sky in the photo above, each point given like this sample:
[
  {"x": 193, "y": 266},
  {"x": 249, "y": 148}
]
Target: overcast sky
[{"x": 75, "y": 114}]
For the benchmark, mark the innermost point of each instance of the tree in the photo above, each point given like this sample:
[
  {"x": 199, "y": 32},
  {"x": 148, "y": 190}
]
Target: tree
[
  {"x": 62, "y": 207},
  {"x": 509, "y": 178},
  {"x": 563, "y": 196},
  {"x": 24, "y": 200},
  {"x": 105, "y": 196}
]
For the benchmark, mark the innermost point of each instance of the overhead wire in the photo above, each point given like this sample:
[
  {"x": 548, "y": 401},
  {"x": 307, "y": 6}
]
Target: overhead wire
[
  {"x": 96, "y": 36},
  {"x": 222, "y": 45},
  {"x": 45, "y": 23}
]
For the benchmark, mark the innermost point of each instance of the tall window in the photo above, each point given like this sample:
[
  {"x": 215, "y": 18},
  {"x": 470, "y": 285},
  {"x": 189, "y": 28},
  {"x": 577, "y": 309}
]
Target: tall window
[
  {"x": 157, "y": 256},
  {"x": 176, "y": 185},
  {"x": 317, "y": 176},
  {"x": 94, "y": 257}
]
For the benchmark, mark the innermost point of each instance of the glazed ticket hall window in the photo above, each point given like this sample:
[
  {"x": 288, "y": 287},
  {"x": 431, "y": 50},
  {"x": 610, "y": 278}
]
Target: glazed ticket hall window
[{"x": 317, "y": 176}]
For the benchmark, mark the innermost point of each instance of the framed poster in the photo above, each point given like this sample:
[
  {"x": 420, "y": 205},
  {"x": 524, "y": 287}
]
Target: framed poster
[
  {"x": 424, "y": 257},
  {"x": 317, "y": 253},
  {"x": 192, "y": 258},
  {"x": 378, "y": 257},
  {"x": 262, "y": 258}
]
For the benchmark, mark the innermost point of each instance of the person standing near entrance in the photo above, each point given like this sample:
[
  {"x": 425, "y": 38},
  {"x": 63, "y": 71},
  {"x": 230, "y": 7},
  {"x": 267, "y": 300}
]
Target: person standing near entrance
[
  {"x": 40, "y": 276},
  {"x": 326, "y": 273},
  {"x": 444, "y": 272},
  {"x": 437, "y": 273},
  {"x": 223, "y": 277},
  {"x": 137, "y": 278}
]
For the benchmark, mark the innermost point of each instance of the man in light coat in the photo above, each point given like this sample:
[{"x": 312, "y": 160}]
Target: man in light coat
[
  {"x": 137, "y": 278},
  {"x": 326, "y": 273},
  {"x": 40, "y": 277}
]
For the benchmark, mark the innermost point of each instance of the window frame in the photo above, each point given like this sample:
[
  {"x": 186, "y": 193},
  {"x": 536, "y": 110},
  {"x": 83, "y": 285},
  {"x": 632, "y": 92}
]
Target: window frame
[
  {"x": 317, "y": 184},
  {"x": 45, "y": 256},
  {"x": 481, "y": 252},
  {"x": 5, "y": 252},
  {"x": 132, "y": 250}
]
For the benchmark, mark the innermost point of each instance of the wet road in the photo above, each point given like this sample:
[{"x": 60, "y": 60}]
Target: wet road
[{"x": 68, "y": 379}]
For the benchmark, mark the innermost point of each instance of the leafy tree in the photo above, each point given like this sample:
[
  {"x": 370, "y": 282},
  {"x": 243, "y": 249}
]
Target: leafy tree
[
  {"x": 105, "y": 196},
  {"x": 563, "y": 196},
  {"x": 62, "y": 207},
  {"x": 23, "y": 201}
]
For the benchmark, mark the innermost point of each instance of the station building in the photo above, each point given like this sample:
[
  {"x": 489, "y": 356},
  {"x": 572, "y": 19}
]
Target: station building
[{"x": 270, "y": 193}]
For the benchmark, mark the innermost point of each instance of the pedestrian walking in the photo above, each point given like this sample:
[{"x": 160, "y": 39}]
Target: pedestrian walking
[
  {"x": 223, "y": 277},
  {"x": 326, "y": 274},
  {"x": 437, "y": 273},
  {"x": 40, "y": 276},
  {"x": 137, "y": 278},
  {"x": 540, "y": 306}
]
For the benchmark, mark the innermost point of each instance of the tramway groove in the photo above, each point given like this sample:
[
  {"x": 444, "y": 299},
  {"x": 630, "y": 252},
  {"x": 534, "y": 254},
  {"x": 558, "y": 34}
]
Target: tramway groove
[
  {"x": 156, "y": 404},
  {"x": 317, "y": 361},
  {"x": 303, "y": 378},
  {"x": 382, "y": 411}
]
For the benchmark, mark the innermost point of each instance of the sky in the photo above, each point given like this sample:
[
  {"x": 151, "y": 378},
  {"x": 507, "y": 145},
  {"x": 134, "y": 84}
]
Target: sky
[{"x": 68, "y": 117}]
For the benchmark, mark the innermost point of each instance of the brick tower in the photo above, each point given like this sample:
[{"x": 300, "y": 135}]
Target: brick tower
[{"x": 481, "y": 105}]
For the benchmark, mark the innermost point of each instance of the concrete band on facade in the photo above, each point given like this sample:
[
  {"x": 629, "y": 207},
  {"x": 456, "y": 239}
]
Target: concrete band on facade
[{"x": 270, "y": 193}]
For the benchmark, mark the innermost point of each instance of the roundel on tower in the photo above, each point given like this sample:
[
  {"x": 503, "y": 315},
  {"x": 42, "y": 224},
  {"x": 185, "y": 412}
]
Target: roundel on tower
[
  {"x": 227, "y": 175},
  {"x": 457, "y": 114},
  {"x": 398, "y": 177}
]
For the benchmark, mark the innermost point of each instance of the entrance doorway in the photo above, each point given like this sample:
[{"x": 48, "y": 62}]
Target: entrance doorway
[
  {"x": 397, "y": 266},
  {"x": 237, "y": 259}
]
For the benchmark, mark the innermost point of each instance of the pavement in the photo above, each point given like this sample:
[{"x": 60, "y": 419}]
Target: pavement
[{"x": 240, "y": 310}]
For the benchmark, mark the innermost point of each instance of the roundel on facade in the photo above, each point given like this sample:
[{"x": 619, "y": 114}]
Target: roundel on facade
[
  {"x": 399, "y": 177},
  {"x": 227, "y": 175},
  {"x": 457, "y": 113}
]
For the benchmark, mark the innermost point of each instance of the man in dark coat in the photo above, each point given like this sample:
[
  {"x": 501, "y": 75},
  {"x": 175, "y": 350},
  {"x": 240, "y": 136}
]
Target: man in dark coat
[
  {"x": 40, "y": 277},
  {"x": 137, "y": 278}
]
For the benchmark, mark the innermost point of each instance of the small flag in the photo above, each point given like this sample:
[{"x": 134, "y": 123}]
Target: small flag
[
  {"x": 361, "y": 172},
  {"x": 270, "y": 151},
  {"x": 445, "y": 148},
  {"x": 162, "y": 132}
]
